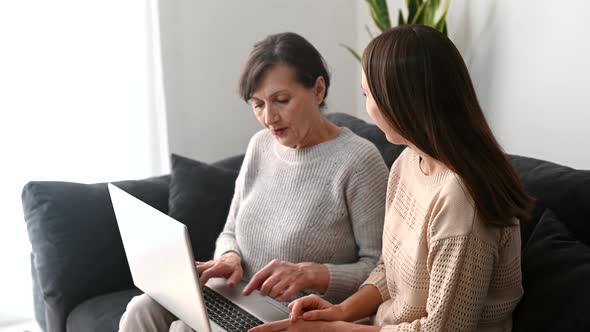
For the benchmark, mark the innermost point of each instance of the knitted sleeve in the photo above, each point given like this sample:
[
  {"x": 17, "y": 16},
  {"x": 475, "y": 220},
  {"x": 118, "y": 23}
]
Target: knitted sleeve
[
  {"x": 377, "y": 279},
  {"x": 461, "y": 269},
  {"x": 226, "y": 241},
  {"x": 365, "y": 199}
]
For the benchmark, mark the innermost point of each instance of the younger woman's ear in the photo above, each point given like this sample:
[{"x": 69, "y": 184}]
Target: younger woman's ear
[{"x": 320, "y": 89}]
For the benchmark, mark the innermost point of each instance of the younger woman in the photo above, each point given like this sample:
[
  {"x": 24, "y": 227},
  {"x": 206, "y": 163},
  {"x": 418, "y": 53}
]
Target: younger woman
[{"x": 451, "y": 240}]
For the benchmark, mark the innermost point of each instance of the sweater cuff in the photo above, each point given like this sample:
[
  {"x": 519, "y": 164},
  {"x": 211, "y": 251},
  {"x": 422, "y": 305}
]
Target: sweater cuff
[
  {"x": 378, "y": 280},
  {"x": 226, "y": 246},
  {"x": 339, "y": 284}
]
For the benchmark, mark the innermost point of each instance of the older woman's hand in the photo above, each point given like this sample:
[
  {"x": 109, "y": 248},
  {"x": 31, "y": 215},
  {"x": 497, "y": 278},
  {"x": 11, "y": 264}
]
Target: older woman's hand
[
  {"x": 282, "y": 280},
  {"x": 228, "y": 266}
]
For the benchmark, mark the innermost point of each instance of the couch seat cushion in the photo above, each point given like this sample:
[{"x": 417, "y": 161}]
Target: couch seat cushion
[
  {"x": 556, "y": 280},
  {"x": 101, "y": 313}
]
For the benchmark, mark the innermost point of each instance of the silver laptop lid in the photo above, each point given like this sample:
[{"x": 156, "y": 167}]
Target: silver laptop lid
[{"x": 161, "y": 262}]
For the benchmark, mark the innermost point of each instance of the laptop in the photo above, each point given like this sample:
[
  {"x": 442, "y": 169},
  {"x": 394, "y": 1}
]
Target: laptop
[{"x": 160, "y": 257}]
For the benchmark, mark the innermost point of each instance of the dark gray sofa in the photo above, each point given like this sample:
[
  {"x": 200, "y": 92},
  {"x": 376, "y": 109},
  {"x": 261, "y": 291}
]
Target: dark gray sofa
[{"x": 81, "y": 280}]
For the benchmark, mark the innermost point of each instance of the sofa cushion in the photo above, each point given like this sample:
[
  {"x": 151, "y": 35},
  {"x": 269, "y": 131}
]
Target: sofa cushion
[
  {"x": 101, "y": 313},
  {"x": 76, "y": 247},
  {"x": 234, "y": 163},
  {"x": 562, "y": 189},
  {"x": 556, "y": 275},
  {"x": 371, "y": 132},
  {"x": 528, "y": 226},
  {"x": 200, "y": 196}
]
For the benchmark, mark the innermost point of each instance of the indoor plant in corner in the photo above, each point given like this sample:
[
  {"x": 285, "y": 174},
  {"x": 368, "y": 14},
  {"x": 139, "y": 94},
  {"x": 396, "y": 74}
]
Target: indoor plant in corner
[{"x": 428, "y": 12}]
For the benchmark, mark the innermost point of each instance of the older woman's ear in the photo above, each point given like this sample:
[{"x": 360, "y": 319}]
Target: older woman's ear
[{"x": 320, "y": 89}]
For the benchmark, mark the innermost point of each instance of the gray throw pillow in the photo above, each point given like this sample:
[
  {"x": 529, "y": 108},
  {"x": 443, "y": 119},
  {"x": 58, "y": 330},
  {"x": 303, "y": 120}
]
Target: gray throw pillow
[
  {"x": 200, "y": 196},
  {"x": 555, "y": 272}
]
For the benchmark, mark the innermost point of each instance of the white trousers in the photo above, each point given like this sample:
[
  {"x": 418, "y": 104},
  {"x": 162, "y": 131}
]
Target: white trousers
[{"x": 145, "y": 315}]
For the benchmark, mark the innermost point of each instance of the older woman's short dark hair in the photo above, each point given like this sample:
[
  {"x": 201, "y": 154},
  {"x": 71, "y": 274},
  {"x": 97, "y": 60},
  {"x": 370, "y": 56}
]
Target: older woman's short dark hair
[{"x": 283, "y": 48}]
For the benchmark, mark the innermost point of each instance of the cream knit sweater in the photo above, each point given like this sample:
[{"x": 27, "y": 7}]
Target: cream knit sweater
[
  {"x": 442, "y": 267},
  {"x": 323, "y": 204}
]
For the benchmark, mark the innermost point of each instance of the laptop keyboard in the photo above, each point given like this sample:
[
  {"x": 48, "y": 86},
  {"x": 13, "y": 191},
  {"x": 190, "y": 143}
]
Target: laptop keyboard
[{"x": 226, "y": 314}]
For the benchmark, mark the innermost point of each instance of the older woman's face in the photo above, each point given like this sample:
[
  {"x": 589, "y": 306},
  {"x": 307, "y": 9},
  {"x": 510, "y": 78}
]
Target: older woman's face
[{"x": 285, "y": 107}]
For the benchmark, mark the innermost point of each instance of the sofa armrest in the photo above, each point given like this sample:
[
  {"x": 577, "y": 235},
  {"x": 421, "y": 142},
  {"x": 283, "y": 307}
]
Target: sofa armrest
[{"x": 77, "y": 252}]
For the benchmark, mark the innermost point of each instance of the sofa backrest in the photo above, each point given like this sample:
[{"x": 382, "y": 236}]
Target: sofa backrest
[
  {"x": 68, "y": 269},
  {"x": 564, "y": 190},
  {"x": 371, "y": 132},
  {"x": 77, "y": 252}
]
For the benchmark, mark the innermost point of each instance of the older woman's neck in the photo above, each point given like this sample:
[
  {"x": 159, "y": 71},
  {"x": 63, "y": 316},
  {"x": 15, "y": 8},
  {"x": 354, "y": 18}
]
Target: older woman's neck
[{"x": 323, "y": 131}]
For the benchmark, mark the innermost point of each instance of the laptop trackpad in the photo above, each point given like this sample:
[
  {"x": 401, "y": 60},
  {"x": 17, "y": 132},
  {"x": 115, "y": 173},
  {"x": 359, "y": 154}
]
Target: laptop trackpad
[{"x": 263, "y": 307}]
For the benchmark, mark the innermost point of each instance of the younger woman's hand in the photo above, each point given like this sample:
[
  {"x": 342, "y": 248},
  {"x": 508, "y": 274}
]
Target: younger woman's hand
[
  {"x": 228, "y": 266},
  {"x": 299, "y": 326},
  {"x": 314, "y": 308}
]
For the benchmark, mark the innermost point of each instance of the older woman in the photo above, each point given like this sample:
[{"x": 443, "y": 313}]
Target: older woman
[{"x": 308, "y": 206}]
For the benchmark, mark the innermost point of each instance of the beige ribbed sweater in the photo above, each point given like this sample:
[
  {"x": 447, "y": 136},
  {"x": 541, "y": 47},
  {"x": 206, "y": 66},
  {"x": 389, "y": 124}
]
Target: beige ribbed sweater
[{"x": 442, "y": 267}]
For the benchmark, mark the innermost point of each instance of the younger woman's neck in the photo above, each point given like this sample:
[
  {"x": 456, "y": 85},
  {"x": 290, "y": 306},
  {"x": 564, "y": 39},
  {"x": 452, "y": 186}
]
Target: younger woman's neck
[{"x": 428, "y": 165}]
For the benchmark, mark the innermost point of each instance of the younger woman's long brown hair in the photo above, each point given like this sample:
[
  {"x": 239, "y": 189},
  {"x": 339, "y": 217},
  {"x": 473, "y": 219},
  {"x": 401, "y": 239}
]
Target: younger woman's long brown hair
[{"x": 422, "y": 87}]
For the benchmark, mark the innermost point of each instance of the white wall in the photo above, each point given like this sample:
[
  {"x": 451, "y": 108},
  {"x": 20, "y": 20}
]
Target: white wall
[
  {"x": 205, "y": 44},
  {"x": 530, "y": 63}
]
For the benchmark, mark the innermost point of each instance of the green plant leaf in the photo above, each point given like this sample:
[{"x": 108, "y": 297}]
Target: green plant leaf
[
  {"x": 426, "y": 14},
  {"x": 413, "y": 6},
  {"x": 369, "y": 31},
  {"x": 419, "y": 18},
  {"x": 446, "y": 10},
  {"x": 441, "y": 24},
  {"x": 352, "y": 51},
  {"x": 380, "y": 14},
  {"x": 431, "y": 14},
  {"x": 400, "y": 18}
]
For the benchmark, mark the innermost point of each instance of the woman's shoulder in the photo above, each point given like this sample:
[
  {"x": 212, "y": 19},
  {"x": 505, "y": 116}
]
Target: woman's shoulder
[
  {"x": 455, "y": 215},
  {"x": 257, "y": 145},
  {"x": 263, "y": 136},
  {"x": 259, "y": 141},
  {"x": 358, "y": 147},
  {"x": 453, "y": 210},
  {"x": 405, "y": 158}
]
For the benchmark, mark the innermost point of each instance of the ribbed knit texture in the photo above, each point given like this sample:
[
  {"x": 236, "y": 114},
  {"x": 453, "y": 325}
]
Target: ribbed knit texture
[
  {"x": 323, "y": 204},
  {"x": 442, "y": 268}
]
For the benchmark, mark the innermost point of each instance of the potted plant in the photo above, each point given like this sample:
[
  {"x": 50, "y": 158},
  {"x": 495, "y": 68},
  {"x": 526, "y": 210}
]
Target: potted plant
[{"x": 428, "y": 12}]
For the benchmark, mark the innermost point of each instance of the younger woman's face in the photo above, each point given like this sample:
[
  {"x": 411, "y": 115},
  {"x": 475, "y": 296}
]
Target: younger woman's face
[{"x": 377, "y": 116}]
